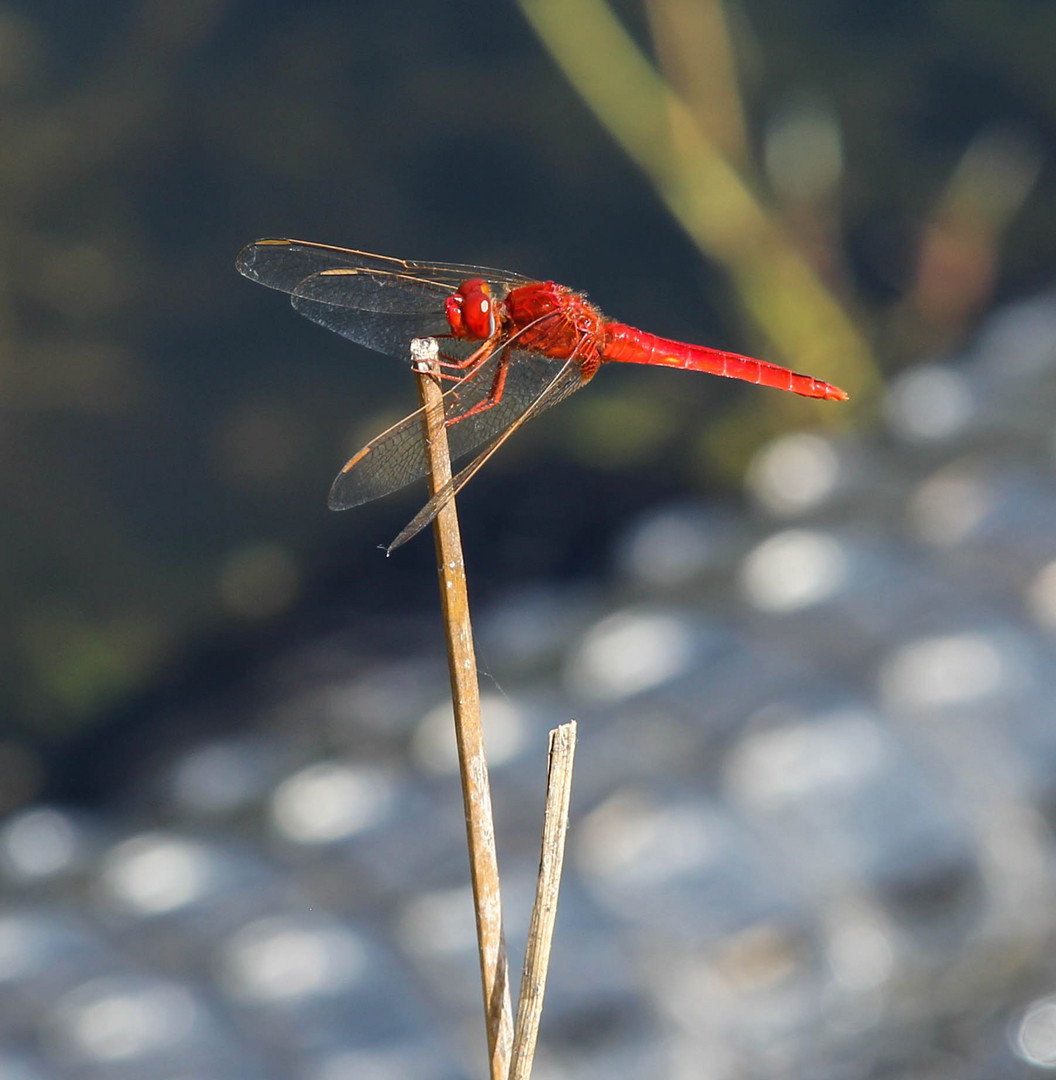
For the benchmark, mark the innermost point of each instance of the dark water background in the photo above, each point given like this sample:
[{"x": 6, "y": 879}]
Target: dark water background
[{"x": 811, "y": 651}]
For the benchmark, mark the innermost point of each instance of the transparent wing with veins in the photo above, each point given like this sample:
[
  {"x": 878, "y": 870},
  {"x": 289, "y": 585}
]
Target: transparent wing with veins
[
  {"x": 373, "y": 300},
  {"x": 565, "y": 381},
  {"x": 284, "y": 264},
  {"x": 396, "y": 457}
]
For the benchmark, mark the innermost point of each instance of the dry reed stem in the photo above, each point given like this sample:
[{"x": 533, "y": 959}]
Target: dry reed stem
[
  {"x": 544, "y": 911},
  {"x": 469, "y": 735}
]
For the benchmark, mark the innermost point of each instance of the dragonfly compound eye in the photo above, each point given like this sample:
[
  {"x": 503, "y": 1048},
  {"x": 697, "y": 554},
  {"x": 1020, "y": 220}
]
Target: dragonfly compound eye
[{"x": 471, "y": 310}]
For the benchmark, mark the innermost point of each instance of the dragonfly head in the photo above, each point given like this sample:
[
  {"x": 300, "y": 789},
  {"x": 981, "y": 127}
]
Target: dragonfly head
[{"x": 471, "y": 310}]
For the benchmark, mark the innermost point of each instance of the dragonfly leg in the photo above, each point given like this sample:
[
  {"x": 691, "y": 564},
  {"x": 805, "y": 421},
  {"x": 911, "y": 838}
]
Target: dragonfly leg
[
  {"x": 498, "y": 384},
  {"x": 475, "y": 358},
  {"x": 459, "y": 371},
  {"x": 471, "y": 362},
  {"x": 502, "y": 367}
]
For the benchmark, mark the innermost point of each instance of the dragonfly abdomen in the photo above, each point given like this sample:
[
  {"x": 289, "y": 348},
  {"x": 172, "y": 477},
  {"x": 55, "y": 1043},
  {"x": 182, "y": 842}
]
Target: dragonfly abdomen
[{"x": 626, "y": 344}]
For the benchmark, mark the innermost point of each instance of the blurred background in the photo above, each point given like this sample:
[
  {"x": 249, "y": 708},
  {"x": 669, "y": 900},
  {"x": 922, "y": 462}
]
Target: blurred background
[{"x": 811, "y": 647}]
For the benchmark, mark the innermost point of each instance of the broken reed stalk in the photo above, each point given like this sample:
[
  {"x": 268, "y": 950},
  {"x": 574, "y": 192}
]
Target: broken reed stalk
[
  {"x": 544, "y": 910},
  {"x": 465, "y": 697}
]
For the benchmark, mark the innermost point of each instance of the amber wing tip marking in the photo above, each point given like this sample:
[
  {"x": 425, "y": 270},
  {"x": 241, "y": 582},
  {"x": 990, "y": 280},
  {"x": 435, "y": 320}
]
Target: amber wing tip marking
[{"x": 359, "y": 456}]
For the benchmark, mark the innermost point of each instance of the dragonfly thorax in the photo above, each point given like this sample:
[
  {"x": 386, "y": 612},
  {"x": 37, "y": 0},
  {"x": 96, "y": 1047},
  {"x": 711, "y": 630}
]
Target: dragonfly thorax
[{"x": 553, "y": 320}]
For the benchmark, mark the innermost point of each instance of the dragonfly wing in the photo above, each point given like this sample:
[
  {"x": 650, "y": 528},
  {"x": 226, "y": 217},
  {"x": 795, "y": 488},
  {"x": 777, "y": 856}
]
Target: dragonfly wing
[
  {"x": 567, "y": 380},
  {"x": 373, "y": 300},
  {"x": 376, "y": 308},
  {"x": 284, "y": 264},
  {"x": 397, "y": 456}
]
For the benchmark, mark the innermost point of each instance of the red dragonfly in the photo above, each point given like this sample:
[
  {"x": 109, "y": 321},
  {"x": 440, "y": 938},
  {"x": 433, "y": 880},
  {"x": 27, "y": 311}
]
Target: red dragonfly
[{"x": 511, "y": 347}]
